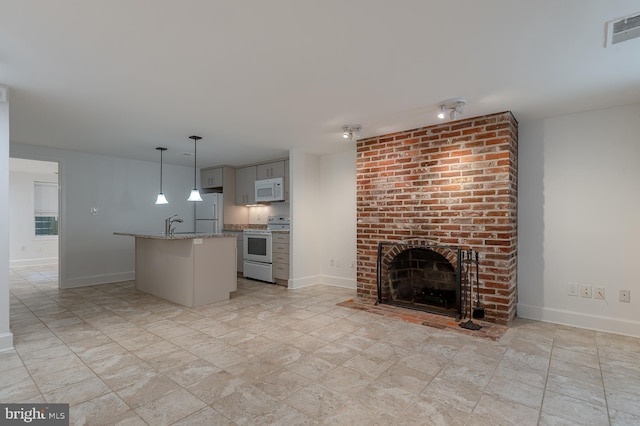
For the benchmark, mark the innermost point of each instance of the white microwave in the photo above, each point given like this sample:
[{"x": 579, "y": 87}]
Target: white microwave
[{"x": 268, "y": 190}]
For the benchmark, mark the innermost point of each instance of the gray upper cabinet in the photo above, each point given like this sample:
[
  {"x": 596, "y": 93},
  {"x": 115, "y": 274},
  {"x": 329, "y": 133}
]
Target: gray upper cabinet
[
  {"x": 274, "y": 169},
  {"x": 246, "y": 185},
  {"x": 211, "y": 177}
]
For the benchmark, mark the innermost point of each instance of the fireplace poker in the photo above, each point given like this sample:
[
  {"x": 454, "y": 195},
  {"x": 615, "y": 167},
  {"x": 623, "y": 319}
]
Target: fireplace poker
[
  {"x": 465, "y": 273},
  {"x": 470, "y": 325},
  {"x": 478, "y": 311}
]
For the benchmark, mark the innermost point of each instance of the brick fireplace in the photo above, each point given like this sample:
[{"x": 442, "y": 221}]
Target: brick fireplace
[{"x": 452, "y": 184}]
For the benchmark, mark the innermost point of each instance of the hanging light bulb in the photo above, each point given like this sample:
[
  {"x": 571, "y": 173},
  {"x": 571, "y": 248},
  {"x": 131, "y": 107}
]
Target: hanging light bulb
[
  {"x": 161, "y": 198},
  {"x": 441, "y": 114},
  {"x": 195, "y": 194}
]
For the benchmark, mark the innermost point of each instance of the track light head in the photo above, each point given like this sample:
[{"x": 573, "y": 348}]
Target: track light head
[
  {"x": 455, "y": 107},
  {"x": 351, "y": 130}
]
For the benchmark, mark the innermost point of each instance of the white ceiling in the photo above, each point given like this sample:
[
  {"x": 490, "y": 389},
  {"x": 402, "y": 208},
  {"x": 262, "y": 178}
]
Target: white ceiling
[{"x": 256, "y": 78}]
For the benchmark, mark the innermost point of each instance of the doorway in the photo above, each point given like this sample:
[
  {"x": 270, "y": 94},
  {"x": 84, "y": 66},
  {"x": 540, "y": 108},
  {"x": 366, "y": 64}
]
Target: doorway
[{"x": 34, "y": 217}]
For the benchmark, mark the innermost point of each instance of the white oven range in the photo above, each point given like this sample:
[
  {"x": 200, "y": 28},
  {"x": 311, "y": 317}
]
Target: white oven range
[
  {"x": 257, "y": 260},
  {"x": 257, "y": 255}
]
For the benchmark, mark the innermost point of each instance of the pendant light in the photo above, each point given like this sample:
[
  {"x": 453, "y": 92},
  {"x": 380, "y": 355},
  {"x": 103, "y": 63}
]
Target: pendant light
[
  {"x": 195, "y": 194},
  {"x": 161, "y": 198}
]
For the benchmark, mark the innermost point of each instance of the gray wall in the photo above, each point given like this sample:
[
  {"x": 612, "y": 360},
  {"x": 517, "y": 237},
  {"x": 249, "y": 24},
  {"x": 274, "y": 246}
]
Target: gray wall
[
  {"x": 579, "y": 218},
  {"x": 323, "y": 218},
  {"x": 123, "y": 192}
]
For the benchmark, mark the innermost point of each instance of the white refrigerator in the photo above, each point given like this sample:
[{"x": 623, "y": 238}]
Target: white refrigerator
[{"x": 209, "y": 214}]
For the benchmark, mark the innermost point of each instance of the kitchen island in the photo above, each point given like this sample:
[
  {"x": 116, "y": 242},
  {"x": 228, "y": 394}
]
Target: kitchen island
[{"x": 191, "y": 269}]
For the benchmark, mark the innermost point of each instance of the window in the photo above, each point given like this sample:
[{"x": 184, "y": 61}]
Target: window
[{"x": 45, "y": 203}]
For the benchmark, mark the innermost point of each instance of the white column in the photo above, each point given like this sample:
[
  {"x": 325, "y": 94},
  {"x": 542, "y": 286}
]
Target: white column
[{"x": 6, "y": 337}]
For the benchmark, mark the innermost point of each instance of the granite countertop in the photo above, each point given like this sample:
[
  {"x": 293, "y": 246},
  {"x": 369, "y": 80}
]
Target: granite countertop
[
  {"x": 234, "y": 227},
  {"x": 175, "y": 236},
  {"x": 273, "y": 231},
  {"x": 241, "y": 227}
]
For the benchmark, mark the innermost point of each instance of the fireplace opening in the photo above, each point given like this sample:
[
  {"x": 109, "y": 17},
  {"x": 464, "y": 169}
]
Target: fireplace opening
[{"x": 418, "y": 277}]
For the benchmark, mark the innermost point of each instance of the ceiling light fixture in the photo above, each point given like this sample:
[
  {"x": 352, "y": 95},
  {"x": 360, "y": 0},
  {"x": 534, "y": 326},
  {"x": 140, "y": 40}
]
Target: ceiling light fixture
[
  {"x": 195, "y": 194},
  {"x": 161, "y": 198},
  {"x": 455, "y": 107},
  {"x": 351, "y": 130}
]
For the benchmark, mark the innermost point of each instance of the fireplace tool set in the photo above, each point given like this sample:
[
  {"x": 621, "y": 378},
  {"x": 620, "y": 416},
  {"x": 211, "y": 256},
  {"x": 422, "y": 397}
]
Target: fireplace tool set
[{"x": 476, "y": 311}]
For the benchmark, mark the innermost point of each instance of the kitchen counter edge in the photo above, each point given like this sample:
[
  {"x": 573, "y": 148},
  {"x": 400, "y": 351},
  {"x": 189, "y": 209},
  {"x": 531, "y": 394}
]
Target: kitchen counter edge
[{"x": 177, "y": 236}]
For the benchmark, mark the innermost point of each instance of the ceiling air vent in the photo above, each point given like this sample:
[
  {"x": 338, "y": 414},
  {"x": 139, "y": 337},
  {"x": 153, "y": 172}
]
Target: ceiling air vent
[{"x": 623, "y": 29}]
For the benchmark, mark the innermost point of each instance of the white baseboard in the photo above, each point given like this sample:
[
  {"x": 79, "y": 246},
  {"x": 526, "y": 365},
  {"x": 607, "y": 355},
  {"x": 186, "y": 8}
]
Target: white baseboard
[
  {"x": 579, "y": 319},
  {"x": 33, "y": 262},
  {"x": 338, "y": 281},
  {"x": 295, "y": 283},
  {"x": 6, "y": 341},
  {"x": 322, "y": 279},
  {"x": 97, "y": 279}
]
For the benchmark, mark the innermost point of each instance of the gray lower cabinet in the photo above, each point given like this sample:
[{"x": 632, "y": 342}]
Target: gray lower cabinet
[
  {"x": 187, "y": 271},
  {"x": 280, "y": 253}
]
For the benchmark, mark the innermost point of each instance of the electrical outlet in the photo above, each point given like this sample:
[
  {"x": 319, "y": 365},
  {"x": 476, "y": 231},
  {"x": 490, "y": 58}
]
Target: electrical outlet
[
  {"x": 598, "y": 293},
  {"x": 585, "y": 290},
  {"x": 625, "y": 296},
  {"x": 572, "y": 289}
]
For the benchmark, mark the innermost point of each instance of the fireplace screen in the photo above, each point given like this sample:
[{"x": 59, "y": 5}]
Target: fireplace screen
[{"x": 427, "y": 278}]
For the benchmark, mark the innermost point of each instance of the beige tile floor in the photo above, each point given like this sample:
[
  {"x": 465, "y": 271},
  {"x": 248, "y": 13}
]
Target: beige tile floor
[{"x": 273, "y": 356}]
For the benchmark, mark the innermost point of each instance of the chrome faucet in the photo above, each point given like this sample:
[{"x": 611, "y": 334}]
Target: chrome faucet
[{"x": 168, "y": 224}]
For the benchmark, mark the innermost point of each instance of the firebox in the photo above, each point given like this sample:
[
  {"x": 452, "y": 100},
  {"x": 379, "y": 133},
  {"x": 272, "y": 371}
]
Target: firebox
[{"x": 422, "y": 277}]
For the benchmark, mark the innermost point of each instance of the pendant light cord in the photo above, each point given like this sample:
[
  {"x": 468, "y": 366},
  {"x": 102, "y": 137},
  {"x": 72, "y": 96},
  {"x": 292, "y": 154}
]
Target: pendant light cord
[
  {"x": 195, "y": 157},
  {"x": 161, "y": 171}
]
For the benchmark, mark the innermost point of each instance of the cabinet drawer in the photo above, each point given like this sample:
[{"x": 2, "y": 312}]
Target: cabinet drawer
[
  {"x": 280, "y": 248},
  {"x": 280, "y": 238},
  {"x": 281, "y": 271},
  {"x": 280, "y": 258}
]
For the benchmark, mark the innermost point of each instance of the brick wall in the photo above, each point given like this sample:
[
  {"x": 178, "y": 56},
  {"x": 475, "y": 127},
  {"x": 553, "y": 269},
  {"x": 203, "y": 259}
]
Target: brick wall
[{"x": 449, "y": 184}]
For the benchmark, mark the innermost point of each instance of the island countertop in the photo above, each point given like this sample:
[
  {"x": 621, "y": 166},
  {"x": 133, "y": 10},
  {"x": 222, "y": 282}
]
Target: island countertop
[{"x": 175, "y": 236}]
